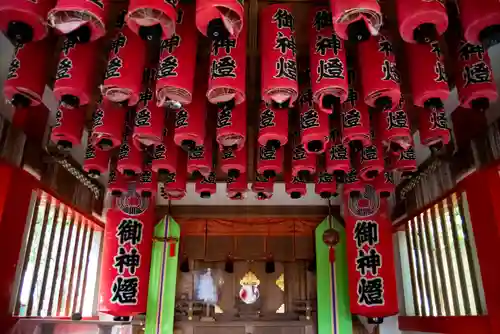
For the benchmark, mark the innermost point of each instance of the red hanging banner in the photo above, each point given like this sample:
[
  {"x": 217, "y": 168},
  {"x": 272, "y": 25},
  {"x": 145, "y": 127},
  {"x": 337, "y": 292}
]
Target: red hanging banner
[
  {"x": 126, "y": 256},
  {"x": 356, "y": 20},
  {"x": 370, "y": 256}
]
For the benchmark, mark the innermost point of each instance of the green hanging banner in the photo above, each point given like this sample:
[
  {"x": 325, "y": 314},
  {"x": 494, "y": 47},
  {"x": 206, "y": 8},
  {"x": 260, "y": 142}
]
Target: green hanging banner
[
  {"x": 163, "y": 278},
  {"x": 334, "y": 316}
]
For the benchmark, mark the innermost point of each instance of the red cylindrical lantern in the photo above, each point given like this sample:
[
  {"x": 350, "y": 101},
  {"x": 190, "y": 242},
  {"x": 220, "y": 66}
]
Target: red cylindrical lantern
[
  {"x": 326, "y": 185},
  {"x": 206, "y": 186},
  {"x": 474, "y": 77},
  {"x": 428, "y": 79},
  {"x": 233, "y": 162},
  {"x": 147, "y": 185},
  {"x": 273, "y": 126},
  {"x": 352, "y": 184},
  {"x": 270, "y": 161},
  {"x": 117, "y": 183},
  {"x": 263, "y": 187},
  {"x": 81, "y": 20},
  {"x": 130, "y": 158},
  {"x": 25, "y": 21},
  {"x": 68, "y": 128},
  {"x": 421, "y": 21},
  {"x": 227, "y": 76},
  {"x": 314, "y": 131},
  {"x": 124, "y": 73},
  {"x": 108, "y": 125},
  {"x": 232, "y": 126},
  {"x": 433, "y": 127},
  {"x": 370, "y": 160},
  {"x": 74, "y": 81},
  {"x": 26, "y": 77},
  {"x": 370, "y": 256},
  {"x": 303, "y": 163},
  {"x": 220, "y": 19},
  {"x": 126, "y": 255},
  {"x": 200, "y": 158},
  {"x": 481, "y": 23},
  {"x": 378, "y": 74},
  {"x": 328, "y": 62},
  {"x": 295, "y": 186},
  {"x": 392, "y": 128},
  {"x": 404, "y": 162},
  {"x": 96, "y": 161},
  {"x": 176, "y": 68},
  {"x": 152, "y": 19},
  {"x": 278, "y": 56},
  {"x": 149, "y": 120},
  {"x": 237, "y": 187},
  {"x": 337, "y": 157},
  {"x": 355, "y": 123},
  {"x": 166, "y": 154},
  {"x": 190, "y": 127},
  {"x": 356, "y": 20},
  {"x": 175, "y": 182},
  {"x": 384, "y": 184}
]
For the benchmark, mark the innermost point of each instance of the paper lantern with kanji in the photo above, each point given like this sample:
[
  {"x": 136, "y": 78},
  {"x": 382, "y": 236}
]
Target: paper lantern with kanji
[
  {"x": 220, "y": 19},
  {"x": 474, "y": 77},
  {"x": 369, "y": 160},
  {"x": 378, "y": 74},
  {"x": 68, "y": 128},
  {"x": 117, "y": 183},
  {"x": 428, "y": 79},
  {"x": 190, "y": 127},
  {"x": 176, "y": 67},
  {"x": 303, "y": 163},
  {"x": 314, "y": 131},
  {"x": 370, "y": 256},
  {"x": 25, "y": 21},
  {"x": 273, "y": 126},
  {"x": 81, "y": 20},
  {"x": 328, "y": 62},
  {"x": 269, "y": 161},
  {"x": 96, "y": 161},
  {"x": 108, "y": 125},
  {"x": 326, "y": 185},
  {"x": 74, "y": 81},
  {"x": 227, "y": 71},
  {"x": 26, "y": 78},
  {"x": 206, "y": 186},
  {"x": 404, "y": 161},
  {"x": 278, "y": 50},
  {"x": 384, "y": 184},
  {"x": 353, "y": 186},
  {"x": 124, "y": 72},
  {"x": 337, "y": 156},
  {"x": 233, "y": 162},
  {"x": 166, "y": 154},
  {"x": 295, "y": 186},
  {"x": 126, "y": 255},
  {"x": 480, "y": 22},
  {"x": 149, "y": 120},
  {"x": 199, "y": 162},
  {"x": 147, "y": 183},
  {"x": 174, "y": 185},
  {"x": 152, "y": 19},
  {"x": 393, "y": 127},
  {"x": 356, "y": 20},
  {"x": 421, "y": 21},
  {"x": 433, "y": 127},
  {"x": 237, "y": 187},
  {"x": 355, "y": 124},
  {"x": 263, "y": 187},
  {"x": 231, "y": 128},
  {"x": 130, "y": 158}
]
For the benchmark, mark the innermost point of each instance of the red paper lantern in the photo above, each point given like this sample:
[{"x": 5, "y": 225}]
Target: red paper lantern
[
  {"x": 378, "y": 74},
  {"x": 370, "y": 160},
  {"x": 74, "y": 81},
  {"x": 370, "y": 256},
  {"x": 326, "y": 185},
  {"x": 130, "y": 158},
  {"x": 25, "y": 21},
  {"x": 474, "y": 77},
  {"x": 80, "y": 20},
  {"x": 200, "y": 162},
  {"x": 384, "y": 184},
  {"x": 190, "y": 127},
  {"x": 174, "y": 185},
  {"x": 233, "y": 162},
  {"x": 421, "y": 21},
  {"x": 237, "y": 187},
  {"x": 117, "y": 183},
  {"x": 328, "y": 62},
  {"x": 273, "y": 126},
  {"x": 404, "y": 162},
  {"x": 152, "y": 19},
  {"x": 96, "y": 161},
  {"x": 263, "y": 187},
  {"x": 295, "y": 186},
  {"x": 126, "y": 255},
  {"x": 232, "y": 126},
  {"x": 433, "y": 127},
  {"x": 480, "y": 23},
  {"x": 314, "y": 131},
  {"x": 206, "y": 186},
  {"x": 147, "y": 184},
  {"x": 270, "y": 161},
  {"x": 108, "y": 125},
  {"x": 303, "y": 163},
  {"x": 393, "y": 128},
  {"x": 278, "y": 56},
  {"x": 124, "y": 73},
  {"x": 355, "y": 124},
  {"x": 220, "y": 19},
  {"x": 68, "y": 128},
  {"x": 428, "y": 79},
  {"x": 227, "y": 76},
  {"x": 337, "y": 158},
  {"x": 176, "y": 69},
  {"x": 352, "y": 184},
  {"x": 149, "y": 120},
  {"x": 356, "y": 20},
  {"x": 166, "y": 154},
  {"x": 26, "y": 78}
]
